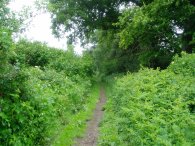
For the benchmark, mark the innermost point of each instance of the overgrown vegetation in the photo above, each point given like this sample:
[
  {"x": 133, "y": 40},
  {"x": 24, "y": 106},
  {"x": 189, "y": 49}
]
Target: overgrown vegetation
[
  {"x": 40, "y": 88},
  {"x": 152, "y": 107},
  {"x": 46, "y": 94}
]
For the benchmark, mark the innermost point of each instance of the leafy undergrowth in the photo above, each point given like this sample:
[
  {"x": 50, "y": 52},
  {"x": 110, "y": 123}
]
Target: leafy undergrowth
[
  {"x": 152, "y": 107},
  {"x": 41, "y": 89}
]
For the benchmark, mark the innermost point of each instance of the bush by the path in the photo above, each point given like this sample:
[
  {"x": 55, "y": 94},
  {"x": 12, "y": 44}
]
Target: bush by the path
[
  {"x": 153, "y": 107},
  {"x": 39, "y": 89}
]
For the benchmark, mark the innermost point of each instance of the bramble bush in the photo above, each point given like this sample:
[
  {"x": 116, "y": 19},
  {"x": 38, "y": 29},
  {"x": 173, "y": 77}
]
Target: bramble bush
[{"x": 152, "y": 107}]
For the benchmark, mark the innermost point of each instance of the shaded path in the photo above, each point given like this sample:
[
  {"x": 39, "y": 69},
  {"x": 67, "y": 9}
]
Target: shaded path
[{"x": 91, "y": 135}]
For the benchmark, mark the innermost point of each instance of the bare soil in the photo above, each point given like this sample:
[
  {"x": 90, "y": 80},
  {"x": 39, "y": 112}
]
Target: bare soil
[{"x": 91, "y": 135}]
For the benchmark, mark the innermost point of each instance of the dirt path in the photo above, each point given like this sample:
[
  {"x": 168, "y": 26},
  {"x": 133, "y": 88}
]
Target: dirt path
[{"x": 91, "y": 135}]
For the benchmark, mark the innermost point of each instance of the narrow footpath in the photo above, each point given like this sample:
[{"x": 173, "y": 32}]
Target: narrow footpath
[{"x": 91, "y": 135}]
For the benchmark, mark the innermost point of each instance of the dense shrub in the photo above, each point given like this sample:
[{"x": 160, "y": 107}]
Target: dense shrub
[
  {"x": 32, "y": 54},
  {"x": 38, "y": 54},
  {"x": 152, "y": 107},
  {"x": 39, "y": 90}
]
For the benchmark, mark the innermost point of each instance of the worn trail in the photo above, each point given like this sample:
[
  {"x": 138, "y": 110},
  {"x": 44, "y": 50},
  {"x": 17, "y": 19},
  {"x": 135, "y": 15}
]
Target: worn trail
[{"x": 91, "y": 135}]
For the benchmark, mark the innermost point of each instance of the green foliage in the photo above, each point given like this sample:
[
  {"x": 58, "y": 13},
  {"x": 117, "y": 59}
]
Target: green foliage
[
  {"x": 9, "y": 74},
  {"x": 38, "y": 54},
  {"x": 154, "y": 59},
  {"x": 152, "y": 107},
  {"x": 7, "y": 19},
  {"x": 108, "y": 58},
  {"x": 44, "y": 90},
  {"x": 43, "y": 102},
  {"x": 148, "y": 32},
  {"x": 5, "y": 45},
  {"x": 184, "y": 65},
  {"x": 104, "y": 54},
  {"x": 85, "y": 16},
  {"x": 25, "y": 115},
  {"x": 40, "y": 88},
  {"x": 155, "y": 25},
  {"x": 128, "y": 32},
  {"x": 32, "y": 54}
]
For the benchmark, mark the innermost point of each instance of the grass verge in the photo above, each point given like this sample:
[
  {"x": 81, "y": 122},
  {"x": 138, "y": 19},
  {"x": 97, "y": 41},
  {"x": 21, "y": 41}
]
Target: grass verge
[
  {"x": 108, "y": 128},
  {"x": 77, "y": 124}
]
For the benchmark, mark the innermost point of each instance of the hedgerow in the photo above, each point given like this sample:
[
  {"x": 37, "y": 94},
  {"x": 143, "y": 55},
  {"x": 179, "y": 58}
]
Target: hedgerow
[
  {"x": 152, "y": 107},
  {"x": 36, "y": 95}
]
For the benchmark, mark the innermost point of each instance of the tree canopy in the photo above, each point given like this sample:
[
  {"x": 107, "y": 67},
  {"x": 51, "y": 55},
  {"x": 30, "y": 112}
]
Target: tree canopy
[
  {"x": 7, "y": 19},
  {"x": 150, "y": 30},
  {"x": 85, "y": 16},
  {"x": 157, "y": 24}
]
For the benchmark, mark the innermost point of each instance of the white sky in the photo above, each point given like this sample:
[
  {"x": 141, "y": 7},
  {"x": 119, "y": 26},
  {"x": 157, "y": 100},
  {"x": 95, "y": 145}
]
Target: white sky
[{"x": 39, "y": 29}]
